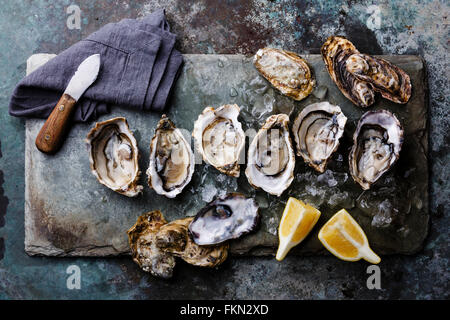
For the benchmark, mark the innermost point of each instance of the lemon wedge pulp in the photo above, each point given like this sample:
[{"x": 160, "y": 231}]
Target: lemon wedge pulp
[
  {"x": 297, "y": 221},
  {"x": 345, "y": 239}
]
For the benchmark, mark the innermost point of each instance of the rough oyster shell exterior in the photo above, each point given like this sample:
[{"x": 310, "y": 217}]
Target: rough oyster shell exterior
[
  {"x": 144, "y": 250},
  {"x": 174, "y": 238},
  {"x": 389, "y": 80},
  {"x": 359, "y": 75},
  {"x": 286, "y": 71},
  {"x": 335, "y": 52},
  {"x": 155, "y": 244}
]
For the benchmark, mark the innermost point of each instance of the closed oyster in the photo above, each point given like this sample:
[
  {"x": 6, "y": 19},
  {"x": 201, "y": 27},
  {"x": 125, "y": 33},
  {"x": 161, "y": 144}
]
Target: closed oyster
[
  {"x": 144, "y": 249},
  {"x": 219, "y": 138},
  {"x": 271, "y": 158},
  {"x": 225, "y": 218},
  {"x": 286, "y": 71},
  {"x": 171, "y": 162},
  {"x": 317, "y": 130},
  {"x": 389, "y": 80},
  {"x": 113, "y": 156},
  {"x": 335, "y": 53},
  {"x": 377, "y": 142},
  {"x": 174, "y": 238},
  {"x": 155, "y": 244},
  {"x": 359, "y": 75}
]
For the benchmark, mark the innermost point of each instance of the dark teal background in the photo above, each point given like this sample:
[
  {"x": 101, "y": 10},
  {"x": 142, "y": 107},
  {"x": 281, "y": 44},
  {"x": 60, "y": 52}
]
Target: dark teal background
[{"x": 230, "y": 26}]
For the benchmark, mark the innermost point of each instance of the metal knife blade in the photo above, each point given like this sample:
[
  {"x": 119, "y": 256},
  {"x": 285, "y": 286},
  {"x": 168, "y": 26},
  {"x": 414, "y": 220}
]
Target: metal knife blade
[
  {"x": 54, "y": 130},
  {"x": 85, "y": 75}
]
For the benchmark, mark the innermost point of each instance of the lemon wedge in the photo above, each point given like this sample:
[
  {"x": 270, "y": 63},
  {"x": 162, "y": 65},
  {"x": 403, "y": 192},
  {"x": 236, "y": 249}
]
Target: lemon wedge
[
  {"x": 297, "y": 221},
  {"x": 345, "y": 239}
]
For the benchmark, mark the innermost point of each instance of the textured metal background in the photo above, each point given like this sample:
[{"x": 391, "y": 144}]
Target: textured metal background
[{"x": 230, "y": 26}]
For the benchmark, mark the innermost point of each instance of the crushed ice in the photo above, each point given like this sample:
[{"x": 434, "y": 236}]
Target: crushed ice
[
  {"x": 384, "y": 216},
  {"x": 321, "y": 189},
  {"x": 272, "y": 226}
]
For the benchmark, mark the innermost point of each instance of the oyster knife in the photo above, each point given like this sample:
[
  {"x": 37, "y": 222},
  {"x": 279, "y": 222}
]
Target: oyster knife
[{"x": 52, "y": 133}]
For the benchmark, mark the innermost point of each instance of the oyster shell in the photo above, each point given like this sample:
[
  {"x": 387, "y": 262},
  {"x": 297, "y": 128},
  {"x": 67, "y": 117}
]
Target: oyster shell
[
  {"x": 271, "y": 158},
  {"x": 286, "y": 71},
  {"x": 317, "y": 130},
  {"x": 377, "y": 142},
  {"x": 335, "y": 52},
  {"x": 144, "y": 250},
  {"x": 174, "y": 238},
  {"x": 219, "y": 138},
  {"x": 155, "y": 244},
  {"x": 358, "y": 75},
  {"x": 389, "y": 80},
  {"x": 225, "y": 218},
  {"x": 171, "y": 162},
  {"x": 113, "y": 156}
]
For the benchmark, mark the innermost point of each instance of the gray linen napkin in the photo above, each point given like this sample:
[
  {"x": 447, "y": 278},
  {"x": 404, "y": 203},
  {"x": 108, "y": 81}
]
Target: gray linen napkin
[{"x": 139, "y": 66}]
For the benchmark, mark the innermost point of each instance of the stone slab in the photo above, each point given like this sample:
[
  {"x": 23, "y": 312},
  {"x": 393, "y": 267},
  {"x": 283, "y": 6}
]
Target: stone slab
[{"x": 68, "y": 213}]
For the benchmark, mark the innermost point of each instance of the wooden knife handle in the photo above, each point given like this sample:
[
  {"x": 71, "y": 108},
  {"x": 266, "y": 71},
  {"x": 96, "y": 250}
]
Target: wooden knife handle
[{"x": 53, "y": 132}]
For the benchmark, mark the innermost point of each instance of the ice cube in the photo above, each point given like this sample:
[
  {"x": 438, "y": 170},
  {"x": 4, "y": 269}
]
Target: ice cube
[
  {"x": 208, "y": 192},
  {"x": 320, "y": 92}
]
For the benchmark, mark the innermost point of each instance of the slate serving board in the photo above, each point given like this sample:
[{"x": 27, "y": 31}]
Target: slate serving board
[{"x": 68, "y": 213}]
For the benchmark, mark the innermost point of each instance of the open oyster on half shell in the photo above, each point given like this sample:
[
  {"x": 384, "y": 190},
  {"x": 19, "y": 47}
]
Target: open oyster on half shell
[
  {"x": 113, "y": 156},
  {"x": 225, "y": 218},
  {"x": 171, "y": 162},
  {"x": 286, "y": 71},
  {"x": 377, "y": 142},
  {"x": 358, "y": 75},
  {"x": 271, "y": 158},
  {"x": 219, "y": 138},
  {"x": 317, "y": 130}
]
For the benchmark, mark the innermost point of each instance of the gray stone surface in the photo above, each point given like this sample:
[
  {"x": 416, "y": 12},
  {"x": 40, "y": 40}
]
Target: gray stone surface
[{"x": 68, "y": 213}]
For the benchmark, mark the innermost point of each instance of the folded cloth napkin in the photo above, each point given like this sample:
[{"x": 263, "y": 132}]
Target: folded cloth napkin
[{"x": 139, "y": 67}]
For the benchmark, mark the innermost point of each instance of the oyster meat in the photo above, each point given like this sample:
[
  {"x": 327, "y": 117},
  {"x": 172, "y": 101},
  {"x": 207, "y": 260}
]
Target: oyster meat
[
  {"x": 317, "y": 130},
  {"x": 174, "y": 238},
  {"x": 171, "y": 162},
  {"x": 113, "y": 156},
  {"x": 358, "y": 75},
  {"x": 377, "y": 142},
  {"x": 225, "y": 218},
  {"x": 219, "y": 138},
  {"x": 286, "y": 71},
  {"x": 144, "y": 250},
  {"x": 271, "y": 158}
]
